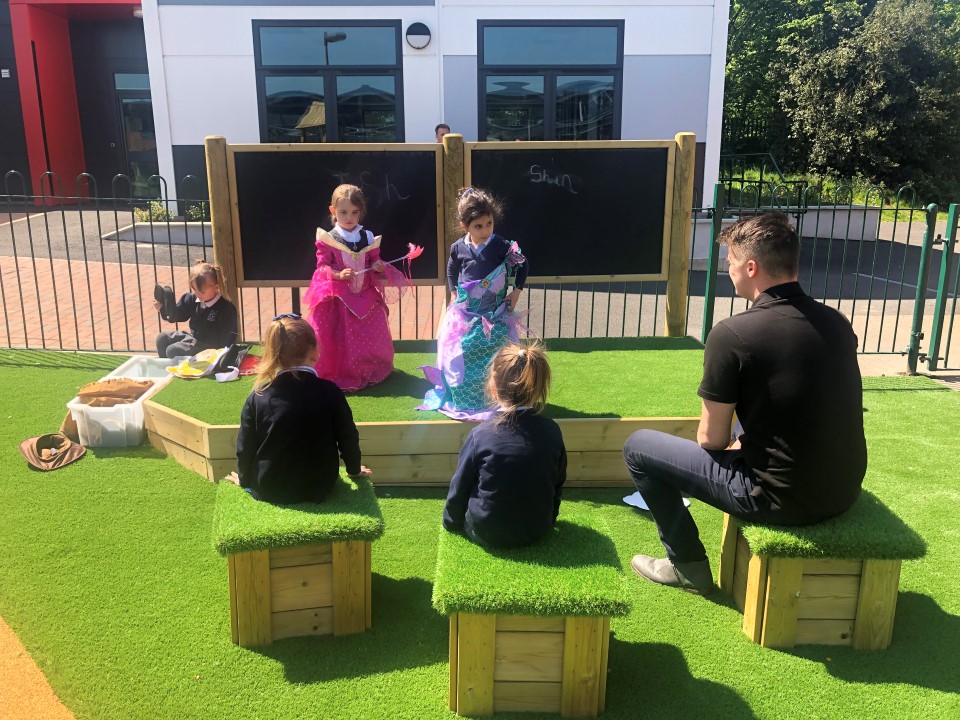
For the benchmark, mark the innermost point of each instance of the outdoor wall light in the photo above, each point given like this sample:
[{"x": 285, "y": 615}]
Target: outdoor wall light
[
  {"x": 138, "y": 12},
  {"x": 418, "y": 36}
]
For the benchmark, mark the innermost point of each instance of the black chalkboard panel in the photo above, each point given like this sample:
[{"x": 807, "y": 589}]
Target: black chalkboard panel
[
  {"x": 283, "y": 196},
  {"x": 580, "y": 211}
]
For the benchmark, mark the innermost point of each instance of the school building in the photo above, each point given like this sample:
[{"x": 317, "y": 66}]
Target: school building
[{"x": 111, "y": 86}]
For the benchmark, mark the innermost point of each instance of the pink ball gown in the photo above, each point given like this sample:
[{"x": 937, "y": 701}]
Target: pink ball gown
[{"x": 350, "y": 316}]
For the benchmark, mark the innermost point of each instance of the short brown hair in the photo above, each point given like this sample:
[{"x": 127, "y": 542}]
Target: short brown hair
[
  {"x": 520, "y": 376},
  {"x": 769, "y": 239}
]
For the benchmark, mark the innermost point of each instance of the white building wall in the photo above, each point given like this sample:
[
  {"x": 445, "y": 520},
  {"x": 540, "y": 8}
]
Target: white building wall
[{"x": 203, "y": 79}]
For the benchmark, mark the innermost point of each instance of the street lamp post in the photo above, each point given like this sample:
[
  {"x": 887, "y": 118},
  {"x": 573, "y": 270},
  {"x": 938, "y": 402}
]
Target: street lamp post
[{"x": 329, "y": 37}]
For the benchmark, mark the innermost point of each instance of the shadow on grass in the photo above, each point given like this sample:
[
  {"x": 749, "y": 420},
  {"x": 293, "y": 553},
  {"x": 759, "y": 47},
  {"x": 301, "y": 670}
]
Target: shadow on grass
[
  {"x": 140, "y": 452},
  {"x": 406, "y": 492},
  {"x": 653, "y": 680},
  {"x": 406, "y": 633},
  {"x": 569, "y": 545},
  {"x": 635, "y": 343},
  {"x": 558, "y": 412},
  {"x": 59, "y": 360},
  {"x": 923, "y": 652},
  {"x": 399, "y": 384}
]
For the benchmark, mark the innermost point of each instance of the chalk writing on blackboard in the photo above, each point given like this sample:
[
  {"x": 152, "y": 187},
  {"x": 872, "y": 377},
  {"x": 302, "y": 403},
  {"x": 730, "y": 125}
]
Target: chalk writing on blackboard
[
  {"x": 565, "y": 181},
  {"x": 376, "y": 193}
]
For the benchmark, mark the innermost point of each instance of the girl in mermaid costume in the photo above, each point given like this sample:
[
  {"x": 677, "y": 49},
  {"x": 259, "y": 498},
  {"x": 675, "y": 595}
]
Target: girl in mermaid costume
[{"x": 481, "y": 317}]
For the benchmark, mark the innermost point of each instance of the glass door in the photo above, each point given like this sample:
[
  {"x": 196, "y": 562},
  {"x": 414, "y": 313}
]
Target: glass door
[{"x": 138, "y": 134}]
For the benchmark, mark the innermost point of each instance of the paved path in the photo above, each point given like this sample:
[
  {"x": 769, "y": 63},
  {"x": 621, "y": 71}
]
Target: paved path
[{"x": 26, "y": 693}]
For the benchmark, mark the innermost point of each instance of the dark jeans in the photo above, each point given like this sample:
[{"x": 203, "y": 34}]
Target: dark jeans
[
  {"x": 175, "y": 343},
  {"x": 664, "y": 468}
]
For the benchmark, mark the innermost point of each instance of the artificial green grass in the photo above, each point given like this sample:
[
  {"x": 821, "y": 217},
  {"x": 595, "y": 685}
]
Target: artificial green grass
[
  {"x": 572, "y": 571},
  {"x": 106, "y": 575},
  {"x": 592, "y": 377},
  {"x": 242, "y": 524},
  {"x": 867, "y": 530}
]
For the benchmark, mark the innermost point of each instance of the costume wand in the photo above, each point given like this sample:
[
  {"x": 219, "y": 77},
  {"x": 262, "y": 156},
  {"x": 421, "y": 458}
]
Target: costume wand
[{"x": 414, "y": 252}]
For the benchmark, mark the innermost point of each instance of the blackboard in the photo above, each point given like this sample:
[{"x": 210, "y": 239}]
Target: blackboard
[
  {"x": 580, "y": 211},
  {"x": 283, "y": 192}
]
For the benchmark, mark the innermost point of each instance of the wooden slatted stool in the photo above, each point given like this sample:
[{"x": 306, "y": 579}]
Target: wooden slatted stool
[
  {"x": 530, "y": 628},
  {"x": 833, "y": 583},
  {"x": 297, "y": 569}
]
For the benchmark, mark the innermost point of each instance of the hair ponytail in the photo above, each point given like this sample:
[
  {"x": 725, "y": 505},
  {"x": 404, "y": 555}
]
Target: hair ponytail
[
  {"x": 286, "y": 344},
  {"x": 520, "y": 377}
]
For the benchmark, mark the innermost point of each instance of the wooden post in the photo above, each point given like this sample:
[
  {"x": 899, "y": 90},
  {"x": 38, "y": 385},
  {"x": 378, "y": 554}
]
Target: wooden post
[
  {"x": 753, "y": 603},
  {"x": 476, "y": 658},
  {"x": 221, "y": 217},
  {"x": 876, "y": 604},
  {"x": 349, "y": 587},
  {"x": 728, "y": 555},
  {"x": 582, "y": 660},
  {"x": 452, "y": 182},
  {"x": 454, "y": 667},
  {"x": 780, "y": 604},
  {"x": 678, "y": 264},
  {"x": 251, "y": 573}
]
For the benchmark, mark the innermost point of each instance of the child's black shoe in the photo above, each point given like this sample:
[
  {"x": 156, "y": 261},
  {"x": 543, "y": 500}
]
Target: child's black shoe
[{"x": 163, "y": 294}]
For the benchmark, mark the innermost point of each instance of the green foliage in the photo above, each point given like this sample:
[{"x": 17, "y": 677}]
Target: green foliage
[
  {"x": 851, "y": 88},
  {"x": 197, "y": 212},
  {"x": 883, "y": 102},
  {"x": 155, "y": 211}
]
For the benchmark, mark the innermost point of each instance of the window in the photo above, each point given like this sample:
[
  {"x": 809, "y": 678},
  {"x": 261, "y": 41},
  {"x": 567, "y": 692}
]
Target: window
[
  {"x": 329, "y": 82},
  {"x": 560, "y": 81}
]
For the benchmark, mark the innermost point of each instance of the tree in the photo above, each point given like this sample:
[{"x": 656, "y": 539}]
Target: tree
[{"x": 884, "y": 101}]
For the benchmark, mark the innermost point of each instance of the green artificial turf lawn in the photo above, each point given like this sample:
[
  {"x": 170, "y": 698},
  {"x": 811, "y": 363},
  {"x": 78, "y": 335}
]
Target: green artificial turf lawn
[
  {"x": 573, "y": 571},
  {"x": 867, "y": 530},
  {"x": 108, "y": 577},
  {"x": 595, "y": 377},
  {"x": 242, "y": 524}
]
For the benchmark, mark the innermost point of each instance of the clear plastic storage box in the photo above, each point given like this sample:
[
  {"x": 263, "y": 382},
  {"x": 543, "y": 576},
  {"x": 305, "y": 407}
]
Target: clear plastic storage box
[{"x": 120, "y": 425}]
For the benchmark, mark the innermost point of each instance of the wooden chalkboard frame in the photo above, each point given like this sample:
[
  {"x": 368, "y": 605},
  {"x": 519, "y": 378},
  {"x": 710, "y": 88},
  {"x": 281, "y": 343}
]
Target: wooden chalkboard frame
[
  {"x": 233, "y": 150},
  {"x": 570, "y": 145}
]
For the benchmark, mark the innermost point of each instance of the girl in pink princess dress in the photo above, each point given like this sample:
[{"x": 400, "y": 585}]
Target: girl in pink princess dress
[{"x": 346, "y": 299}]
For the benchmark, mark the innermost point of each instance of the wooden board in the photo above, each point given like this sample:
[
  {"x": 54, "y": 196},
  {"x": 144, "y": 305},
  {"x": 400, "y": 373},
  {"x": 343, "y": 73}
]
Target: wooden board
[
  {"x": 175, "y": 426},
  {"x": 530, "y": 623},
  {"x": 541, "y": 697},
  {"x": 824, "y": 632},
  {"x": 300, "y": 555},
  {"x": 832, "y": 597},
  {"x": 301, "y": 587},
  {"x": 300, "y": 623},
  {"x": 526, "y": 656}
]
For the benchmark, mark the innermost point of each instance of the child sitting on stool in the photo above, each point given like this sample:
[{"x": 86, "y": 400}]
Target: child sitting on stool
[
  {"x": 506, "y": 490},
  {"x": 295, "y": 426},
  {"x": 213, "y": 318}
]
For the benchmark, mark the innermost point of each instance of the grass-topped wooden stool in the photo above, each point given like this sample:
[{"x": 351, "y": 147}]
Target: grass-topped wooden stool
[
  {"x": 530, "y": 628},
  {"x": 297, "y": 569},
  {"x": 833, "y": 583}
]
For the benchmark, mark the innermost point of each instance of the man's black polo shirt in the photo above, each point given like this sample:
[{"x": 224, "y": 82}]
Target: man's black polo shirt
[{"x": 790, "y": 365}]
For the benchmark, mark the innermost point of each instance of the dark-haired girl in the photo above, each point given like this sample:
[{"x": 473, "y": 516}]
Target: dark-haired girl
[{"x": 481, "y": 317}]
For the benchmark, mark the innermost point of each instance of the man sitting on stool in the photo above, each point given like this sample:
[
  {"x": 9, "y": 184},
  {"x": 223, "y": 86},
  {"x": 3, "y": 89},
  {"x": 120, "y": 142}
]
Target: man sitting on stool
[{"x": 788, "y": 367}]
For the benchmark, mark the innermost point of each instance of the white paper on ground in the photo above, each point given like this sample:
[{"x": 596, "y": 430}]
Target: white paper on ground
[{"x": 636, "y": 500}]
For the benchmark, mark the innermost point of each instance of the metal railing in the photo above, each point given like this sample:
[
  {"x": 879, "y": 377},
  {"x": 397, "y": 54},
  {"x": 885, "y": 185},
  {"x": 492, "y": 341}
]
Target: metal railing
[{"x": 77, "y": 271}]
